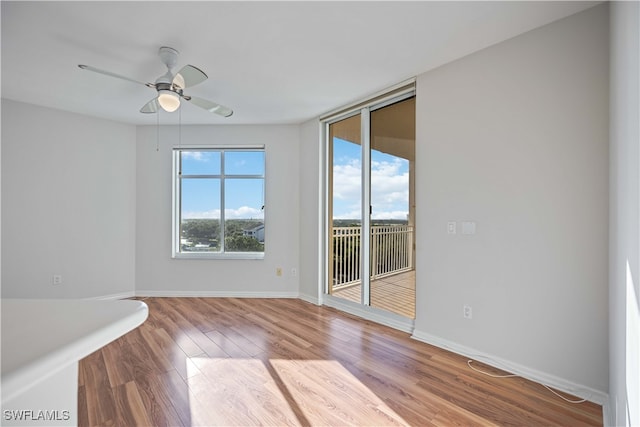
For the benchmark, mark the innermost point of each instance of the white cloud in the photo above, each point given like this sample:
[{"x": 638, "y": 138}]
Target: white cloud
[
  {"x": 389, "y": 189},
  {"x": 351, "y": 214},
  {"x": 212, "y": 214},
  {"x": 199, "y": 156},
  {"x": 356, "y": 214},
  {"x": 244, "y": 212},
  {"x": 346, "y": 180},
  {"x": 390, "y": 215}
]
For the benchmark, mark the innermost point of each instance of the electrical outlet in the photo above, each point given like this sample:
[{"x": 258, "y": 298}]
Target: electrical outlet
[
  {"x": 294, "y": 272},
  {"x": 57, "y": 279},
  {"x": 467, "y": 312},
  {"x": 279, "y": 271}
]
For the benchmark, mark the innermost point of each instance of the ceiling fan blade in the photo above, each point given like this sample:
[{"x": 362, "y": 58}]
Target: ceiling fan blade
[
  {"x": 151, "y": 106},
  {"x": 109, "y": 73},
  {"x": 211, "y": 107},
  {"x": 189, "y": 76}
]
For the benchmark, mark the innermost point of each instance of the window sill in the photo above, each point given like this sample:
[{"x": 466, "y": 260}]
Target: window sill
[{"x": 228, "y": 255}]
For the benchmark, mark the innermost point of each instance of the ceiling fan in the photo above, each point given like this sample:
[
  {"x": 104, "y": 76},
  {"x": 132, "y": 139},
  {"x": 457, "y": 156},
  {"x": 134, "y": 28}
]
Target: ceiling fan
[{"x": 170, "y": 86}]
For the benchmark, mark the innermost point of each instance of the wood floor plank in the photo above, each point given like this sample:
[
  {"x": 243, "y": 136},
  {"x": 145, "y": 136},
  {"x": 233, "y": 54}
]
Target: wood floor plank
[
  {"x": 99, "y": 400},
  {"x": 118, "y": 364},
  {"x": 149, "y": 342},
  {"x": 275, "y": 331},
  {"x": 166, "y": 319},
  {"x": 83, "y": 415},
  {"x": 262, "y": 398},
  {"x": 173, "y": 385},
  {"x": 337, "y": 388},
  {"x": 231, "y": 361},
  {"x": 217, "y": 406},
  {"x": 130, "y": 409},
  {"x": 174, "y": 353},
  {"x": 157, "y": 402},
  {"x": 229, "y": 347}
]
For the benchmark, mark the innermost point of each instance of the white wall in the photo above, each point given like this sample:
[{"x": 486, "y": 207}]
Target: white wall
[
  {"x": 624, "y": 269},
  {"x": 68, "y": 204},
  {"x": 515, "y": 137},
  {"x": 310, "y": 193},
  {"x": 158, "y": 274}
]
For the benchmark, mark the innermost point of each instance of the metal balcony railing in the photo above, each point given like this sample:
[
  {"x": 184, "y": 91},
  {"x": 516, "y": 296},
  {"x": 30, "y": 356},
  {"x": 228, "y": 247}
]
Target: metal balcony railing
[{"x": 391, "y": 252}]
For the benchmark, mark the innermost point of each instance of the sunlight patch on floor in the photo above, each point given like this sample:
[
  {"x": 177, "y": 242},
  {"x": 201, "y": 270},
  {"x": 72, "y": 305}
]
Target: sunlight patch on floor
[
  {"x": 329, "y": 385},
  {"x": 230, "y": 391},
  {"x": 226, "y": 391}
]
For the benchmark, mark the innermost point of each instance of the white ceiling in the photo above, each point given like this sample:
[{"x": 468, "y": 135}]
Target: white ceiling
[{"x": 272, "y": 62}]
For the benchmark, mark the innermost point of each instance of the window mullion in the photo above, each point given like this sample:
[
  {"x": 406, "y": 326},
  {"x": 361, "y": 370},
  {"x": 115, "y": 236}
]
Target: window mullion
[
  {"x": 177, "y": 205},
  {"x": 222, "y": 206}
]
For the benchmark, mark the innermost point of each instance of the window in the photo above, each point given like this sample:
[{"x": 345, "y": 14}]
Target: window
[{"x": 218, "y": 202}]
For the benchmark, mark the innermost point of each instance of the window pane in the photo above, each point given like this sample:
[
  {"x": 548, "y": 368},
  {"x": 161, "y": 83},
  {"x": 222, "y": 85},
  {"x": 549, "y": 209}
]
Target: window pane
[
  {"x": 200, "y": 215},
  {"x": 244, "y": 215},
  {"x": 244, "y": 163},
  {"x": 392, "y": 151},
  {"x": 392, "y": 214},
  {"x": 200, "y": 162},
  {"x": 346, "y": 209}
]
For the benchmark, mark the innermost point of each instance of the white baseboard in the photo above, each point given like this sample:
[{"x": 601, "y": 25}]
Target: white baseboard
[
  {"x": 122, "y": 295},
  {"x": 309, "y": 298},
  {"x": 216, "y": 294},
  {"x": 553, "y": 381},
  {"x": 370, "y": 313}
]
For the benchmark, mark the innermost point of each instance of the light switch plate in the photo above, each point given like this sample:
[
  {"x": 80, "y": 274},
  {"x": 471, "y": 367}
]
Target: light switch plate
[
  {"x": 468, "y": 227},
  {"x": 451, "y": 227}
]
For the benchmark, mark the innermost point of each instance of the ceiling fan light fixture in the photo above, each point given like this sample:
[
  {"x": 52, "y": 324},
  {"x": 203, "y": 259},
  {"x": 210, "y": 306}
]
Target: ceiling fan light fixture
[
  {"x": 170, "y": 86},
  {"x": 168, "y": 100}
]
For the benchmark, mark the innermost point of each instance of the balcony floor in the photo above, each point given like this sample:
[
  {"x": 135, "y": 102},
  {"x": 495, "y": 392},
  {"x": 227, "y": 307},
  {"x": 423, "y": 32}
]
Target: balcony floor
[{"x": 395, "y": 293}]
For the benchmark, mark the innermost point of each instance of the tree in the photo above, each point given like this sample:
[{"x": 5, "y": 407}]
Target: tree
[
  {"x": 243, "y": 244},
  {"x": 201, "y": 231}
]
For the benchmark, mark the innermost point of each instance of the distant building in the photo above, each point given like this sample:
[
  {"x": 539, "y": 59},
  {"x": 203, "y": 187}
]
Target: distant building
[{"x": 255, "y": 232}]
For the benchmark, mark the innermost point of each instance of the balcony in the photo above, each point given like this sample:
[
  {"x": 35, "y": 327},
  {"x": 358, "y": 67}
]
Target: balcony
[{"x": 392, "y": 270}]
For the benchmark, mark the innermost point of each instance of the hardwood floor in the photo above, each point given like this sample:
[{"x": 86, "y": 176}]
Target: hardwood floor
[
  {"x": 396, "y": 293},
  {"x": 227, "y": 361}
]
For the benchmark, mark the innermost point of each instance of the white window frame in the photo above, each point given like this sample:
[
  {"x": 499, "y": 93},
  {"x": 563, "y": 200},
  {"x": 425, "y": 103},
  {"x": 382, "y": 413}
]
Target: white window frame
[{"x": 177, "y": 198}]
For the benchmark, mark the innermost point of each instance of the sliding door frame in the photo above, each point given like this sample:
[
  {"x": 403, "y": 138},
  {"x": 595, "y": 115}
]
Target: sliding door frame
[{"x": 363, "y": 309}]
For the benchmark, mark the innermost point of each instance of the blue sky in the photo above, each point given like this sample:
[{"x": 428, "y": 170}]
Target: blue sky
[{"x": 244, "y": 197}]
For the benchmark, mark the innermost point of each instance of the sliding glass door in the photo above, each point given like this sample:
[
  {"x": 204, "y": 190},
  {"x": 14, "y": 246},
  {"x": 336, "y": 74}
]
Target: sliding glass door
[
  {"x": 345, "y": 205},
  {"x": 392, "y": 166},
  {"x": 371, "y": 206}
]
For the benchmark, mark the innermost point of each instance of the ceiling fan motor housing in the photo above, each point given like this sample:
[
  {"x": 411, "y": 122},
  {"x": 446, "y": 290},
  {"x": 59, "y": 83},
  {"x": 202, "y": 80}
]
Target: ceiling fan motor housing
[
  {"x": 169, "y": 56},
  {"x": 167, "y": 84}
]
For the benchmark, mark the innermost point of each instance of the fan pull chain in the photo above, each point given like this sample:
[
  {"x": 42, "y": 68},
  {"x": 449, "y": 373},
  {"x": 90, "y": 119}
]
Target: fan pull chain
[{"x": 158, "y": 130}]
